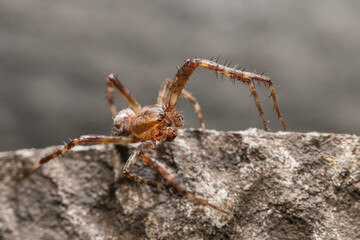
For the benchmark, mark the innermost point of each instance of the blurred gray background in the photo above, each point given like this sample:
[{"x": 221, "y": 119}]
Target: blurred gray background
[{"x": 55, "y": 56}]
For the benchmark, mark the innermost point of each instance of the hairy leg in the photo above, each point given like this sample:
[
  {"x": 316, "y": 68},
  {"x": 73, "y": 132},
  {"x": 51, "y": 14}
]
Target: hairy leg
[
  {"x": 140, "y": 152},
  {"x": 253, "y": 92},
  {"x": 146, "y": 146},
  {"x": 164, "y": 89},
  {"x": 85, "y": 139},
  {"x": 112, "y": 82},
  {"x": 182, "y": 76},
  {"x": 193, "y": 100},
  {"x": 171, "y": 178}
]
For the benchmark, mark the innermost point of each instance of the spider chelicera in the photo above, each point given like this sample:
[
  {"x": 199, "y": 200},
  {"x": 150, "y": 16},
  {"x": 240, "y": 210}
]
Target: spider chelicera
[{"x": 154, "y": 124}]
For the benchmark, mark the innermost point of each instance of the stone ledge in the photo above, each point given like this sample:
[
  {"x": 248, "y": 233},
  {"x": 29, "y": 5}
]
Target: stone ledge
[{"x": 280, "y": 185}]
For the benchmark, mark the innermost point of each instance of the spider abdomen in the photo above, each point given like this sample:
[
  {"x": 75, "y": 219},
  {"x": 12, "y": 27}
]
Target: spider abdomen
[{"x": 121, "y": 125}]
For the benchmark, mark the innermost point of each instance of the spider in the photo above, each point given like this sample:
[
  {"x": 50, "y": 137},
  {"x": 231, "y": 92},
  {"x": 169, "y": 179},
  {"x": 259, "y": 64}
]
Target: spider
[{"x": 158, "y": 123}]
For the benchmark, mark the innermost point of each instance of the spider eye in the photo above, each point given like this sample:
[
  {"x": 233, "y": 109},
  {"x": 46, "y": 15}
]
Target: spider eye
[{"x": 162, "y": 116}]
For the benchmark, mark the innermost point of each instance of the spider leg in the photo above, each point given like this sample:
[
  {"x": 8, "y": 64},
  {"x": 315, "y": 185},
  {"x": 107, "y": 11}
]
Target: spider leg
[
  {"x": 193, "y": 100},
  {"x": 184, "y": 73},
  {"x": 85, "y": 139},
  {"x": 140, "y": 152},
  {"x": 112, "y": 82},
  {"x": 131, "y": 161},
  {"x": 162, "y": 98},
  {"x": 275, "y": 104},
  {"x": 267, "y": 80},
  {"x": 252, "y": 89},
  {"x": 164, "y": 88},
  {"x": 171, "y": 178}
]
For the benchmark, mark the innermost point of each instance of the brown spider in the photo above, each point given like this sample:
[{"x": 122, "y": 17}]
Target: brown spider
[{"x": 151, "y": 125}]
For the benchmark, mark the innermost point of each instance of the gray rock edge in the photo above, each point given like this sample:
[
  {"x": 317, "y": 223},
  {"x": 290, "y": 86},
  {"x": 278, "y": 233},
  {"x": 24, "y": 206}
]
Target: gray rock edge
[{"x": 282, "y": 185}]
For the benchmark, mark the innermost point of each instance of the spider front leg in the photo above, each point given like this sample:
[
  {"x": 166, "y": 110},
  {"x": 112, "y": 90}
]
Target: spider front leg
[
  {"x": 85, "y": 139},
  {"x": 140, "y": 152},
  {"x": 113, "y": 81},
  {"x": 164, "y": 89},
  {"x": 184, "y": 73}
]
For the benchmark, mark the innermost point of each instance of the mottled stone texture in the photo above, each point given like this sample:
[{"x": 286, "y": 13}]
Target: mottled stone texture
[{"x": 276, "y": 185}]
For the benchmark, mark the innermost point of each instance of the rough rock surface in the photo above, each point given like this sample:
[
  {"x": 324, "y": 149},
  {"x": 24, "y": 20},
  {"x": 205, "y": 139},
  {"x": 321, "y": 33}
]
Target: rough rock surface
[{"x": 276, "y": 185}]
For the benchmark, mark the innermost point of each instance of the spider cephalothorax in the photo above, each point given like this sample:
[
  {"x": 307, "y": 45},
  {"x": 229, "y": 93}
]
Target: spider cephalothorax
[
  {"x": 154, "y": 124},
  {"x": 151, "y": 122}
]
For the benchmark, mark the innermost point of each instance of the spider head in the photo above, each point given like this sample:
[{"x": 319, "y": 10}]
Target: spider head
[{"x": 151, "y": 116}]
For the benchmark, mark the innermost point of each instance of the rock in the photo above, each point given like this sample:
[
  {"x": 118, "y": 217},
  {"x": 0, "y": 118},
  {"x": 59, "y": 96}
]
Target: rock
[{"x": 280, "y": 185}]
